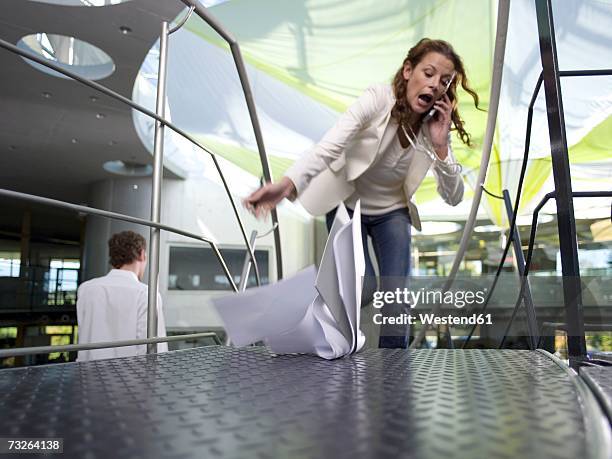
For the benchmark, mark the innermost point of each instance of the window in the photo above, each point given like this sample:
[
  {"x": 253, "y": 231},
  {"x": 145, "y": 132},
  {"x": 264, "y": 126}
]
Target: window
[
  {"x": 197, "y": 268},
  {"x": 10, "y": 263},
  {"x": 62, "y": 281}
]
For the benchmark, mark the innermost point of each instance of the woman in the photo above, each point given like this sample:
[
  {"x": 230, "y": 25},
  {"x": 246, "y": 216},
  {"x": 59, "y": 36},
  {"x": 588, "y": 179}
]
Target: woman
[{"x": 379, "y": 151}]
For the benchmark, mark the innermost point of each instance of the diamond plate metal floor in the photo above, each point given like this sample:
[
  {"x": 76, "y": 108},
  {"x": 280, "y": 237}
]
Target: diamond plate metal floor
[{"x": 224, "y": 402}]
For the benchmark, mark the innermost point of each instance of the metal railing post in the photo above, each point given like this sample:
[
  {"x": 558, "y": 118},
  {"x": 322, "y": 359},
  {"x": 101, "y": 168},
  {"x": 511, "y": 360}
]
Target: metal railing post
[
  {"x": 246, "y": 266},
  {"x": 20, "y": 351},
  {"x": 503, "y": 14},
  {"x": 158, "y": 158},
  {"x": 532, "y": 237},
  {"x": 532, "y": 323},
  {"x": 568, "y": 242}
]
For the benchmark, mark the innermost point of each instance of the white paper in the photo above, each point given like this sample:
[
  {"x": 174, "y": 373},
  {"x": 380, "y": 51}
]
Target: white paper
[
  {"x": 317, "y": 333},
  {"x": 291, "y": 317},
  {"x": 350, "y": 267},
  {"x": 327, "y": 277},
  {"x": 341, "y": 346},
  {"x": 257, "y": 313},
  {"x": 359, "y": 263}
]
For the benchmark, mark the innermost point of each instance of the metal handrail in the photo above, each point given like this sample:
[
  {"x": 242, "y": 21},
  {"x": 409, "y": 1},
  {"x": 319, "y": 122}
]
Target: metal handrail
[
  {"x": 114, "y": 95},
  {"x": 248, "y": 95},
  {"x": 101, "y": 345},
  {"x": 534, "y": 96},
  {"x": 182, "y": 21},
  {"x": 534, "y": 225},
  {"x": 118, "y": 216},
  {"x": 532, "y": 237},
  {"x": 160, "y": 124},
  {"x": 563, "y": 326},
  {"x": 246, "y": 267}
]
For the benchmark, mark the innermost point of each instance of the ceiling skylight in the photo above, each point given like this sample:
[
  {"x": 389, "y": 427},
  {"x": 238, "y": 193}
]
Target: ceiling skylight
[
  {"x": 82, "y": 2},
  {"x": 70, "y": 53},
  {"x": 128, "y": 168}
]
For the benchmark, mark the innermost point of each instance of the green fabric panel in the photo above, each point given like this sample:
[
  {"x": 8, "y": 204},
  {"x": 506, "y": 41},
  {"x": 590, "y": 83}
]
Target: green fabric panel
[
  {"x": 427, "y": 191},
  {"x": 245, "y": 158},
  {"x": 494, "y": 184},
  {"x": 324, "y": 97},
  {"x": 595, "y": 146},
  {"x": 536, "y": 175},
  {"x": 333, "y": 50}
]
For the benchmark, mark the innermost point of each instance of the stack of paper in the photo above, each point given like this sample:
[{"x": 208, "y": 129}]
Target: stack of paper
[{"x": 311, "y": 312}]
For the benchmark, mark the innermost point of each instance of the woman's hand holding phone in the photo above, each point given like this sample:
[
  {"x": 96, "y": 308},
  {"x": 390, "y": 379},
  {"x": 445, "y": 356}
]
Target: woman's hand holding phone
[{"x": 439, "y": 125}]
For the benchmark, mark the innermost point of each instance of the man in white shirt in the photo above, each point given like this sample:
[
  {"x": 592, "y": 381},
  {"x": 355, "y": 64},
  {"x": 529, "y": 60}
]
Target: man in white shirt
[{"x": 114, "y": 307}]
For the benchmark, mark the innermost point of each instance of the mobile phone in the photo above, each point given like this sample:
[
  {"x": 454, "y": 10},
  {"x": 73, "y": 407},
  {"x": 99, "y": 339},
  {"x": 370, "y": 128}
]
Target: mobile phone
[{"x": 432, "y": 112}]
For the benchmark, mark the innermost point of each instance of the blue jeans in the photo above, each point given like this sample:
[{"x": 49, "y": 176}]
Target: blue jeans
[{"x": 390, "y": 234}]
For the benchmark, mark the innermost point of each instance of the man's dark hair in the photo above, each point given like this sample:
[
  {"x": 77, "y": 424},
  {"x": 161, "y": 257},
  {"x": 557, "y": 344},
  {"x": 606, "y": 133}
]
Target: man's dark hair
[{"x": 125, "y": 247}]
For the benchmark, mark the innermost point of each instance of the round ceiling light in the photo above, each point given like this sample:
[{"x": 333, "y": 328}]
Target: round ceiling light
[
  {"x": 70, "y": 53},
  {"x": 128, "y": 168},
  {"x": 81, "y": 2}
]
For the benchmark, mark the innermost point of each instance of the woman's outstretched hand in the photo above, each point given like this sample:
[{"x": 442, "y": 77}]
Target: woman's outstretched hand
[{"x": 260, "y": 202}]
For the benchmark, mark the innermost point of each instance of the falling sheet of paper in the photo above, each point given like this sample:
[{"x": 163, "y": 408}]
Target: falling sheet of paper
[{"x": 257, "y": 313}]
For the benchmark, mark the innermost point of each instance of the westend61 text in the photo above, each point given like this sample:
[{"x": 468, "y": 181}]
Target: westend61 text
[{"x": 432, "y": 319}]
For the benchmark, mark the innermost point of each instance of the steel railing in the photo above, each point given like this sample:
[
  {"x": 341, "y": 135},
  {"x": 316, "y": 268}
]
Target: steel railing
[
  {"x": 530, "y": 111},
  {"x": 102, "y": 345},
  {"x": 532, "y": 237},
  {"x": 160, "y": 124},
  {"x": 117, "y": 216}
]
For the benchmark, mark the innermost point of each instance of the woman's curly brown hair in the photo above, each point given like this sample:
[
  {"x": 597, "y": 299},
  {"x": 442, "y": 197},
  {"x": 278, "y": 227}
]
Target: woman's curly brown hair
[
  {"x": 125, "y": 248},
  {"x": 401, "y": 110}
]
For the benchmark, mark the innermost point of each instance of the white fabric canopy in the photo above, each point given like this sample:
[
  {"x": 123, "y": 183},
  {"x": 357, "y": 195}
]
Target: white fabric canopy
[{"x": 307, "y": 60}]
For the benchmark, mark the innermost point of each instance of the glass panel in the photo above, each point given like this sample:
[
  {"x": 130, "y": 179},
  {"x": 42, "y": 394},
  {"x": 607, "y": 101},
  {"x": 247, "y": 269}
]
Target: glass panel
[
  {"x": 62, "y": 281},
  {"x": 195, "y": 268},
  {"x": 10, "y": 262}
]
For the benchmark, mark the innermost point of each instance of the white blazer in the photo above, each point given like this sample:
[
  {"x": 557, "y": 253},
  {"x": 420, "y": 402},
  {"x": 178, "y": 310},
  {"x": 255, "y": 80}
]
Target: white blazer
[{"x": 324, "y": 175}]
